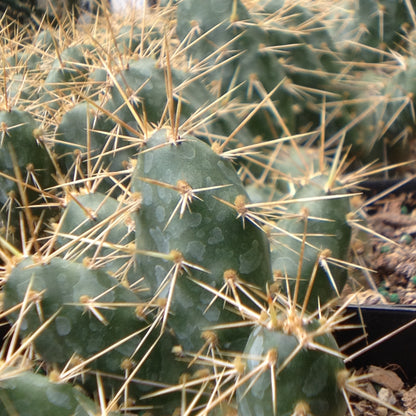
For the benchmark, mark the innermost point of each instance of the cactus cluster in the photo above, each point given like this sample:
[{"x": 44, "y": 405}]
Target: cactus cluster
[{"x": 174, "y": 206}]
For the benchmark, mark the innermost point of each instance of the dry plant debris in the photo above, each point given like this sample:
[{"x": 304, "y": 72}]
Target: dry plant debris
[{"x": 391, "y": 252}]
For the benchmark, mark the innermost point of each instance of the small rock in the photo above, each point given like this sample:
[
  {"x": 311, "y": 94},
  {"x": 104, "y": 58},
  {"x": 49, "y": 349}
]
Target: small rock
[
  {"x": 385, "y": 378},
  {"x": 409, "y": 399},
  {"x": 387, "y": 396},
  {"x": 382, "y": 411}
]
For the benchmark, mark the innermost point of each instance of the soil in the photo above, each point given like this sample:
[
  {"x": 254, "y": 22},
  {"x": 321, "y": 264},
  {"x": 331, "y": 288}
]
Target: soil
[
  {"x": 388, "y": 250},
  {"x": 389, "y": 253},
  {"x": 386, "y": 387},
  {"x": 393, "y": 248}
]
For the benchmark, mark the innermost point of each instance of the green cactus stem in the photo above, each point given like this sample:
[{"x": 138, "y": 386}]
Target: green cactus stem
[
  {"x": 317, "y": 232},
  {"x": 90, "y": 323},
  {"x": 29, "y": 394},
  {"x": 97, "y": 227},
  {"x": 299, "y": 372},
  {"x": 189, "y": 233}
]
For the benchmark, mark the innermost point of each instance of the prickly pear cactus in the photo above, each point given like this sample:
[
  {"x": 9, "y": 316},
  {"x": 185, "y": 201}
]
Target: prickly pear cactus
[
  {"x": 96, "y": 227},
  {"x": 27, "y": 393},
  {"x": 87, "y": 139},
  {"x": 125, "y": 296},
  {"x": 188, "y": 235},
  {"x": 315, "y": 231},
  {"x": 89, "y": 321},
  {"x": 367, "y": 29},
  {"x": 225, "y": 33},
  {"x": 299, "y": 372},
  {"x": 69, "y": 71},
  {"x": 67, "y": 288},
  {"x": 143, "y": 84},
  {"x": 215, "y": 19},
  {"x": 22, "y": 152},
  {"x": 26, "y": 172}
]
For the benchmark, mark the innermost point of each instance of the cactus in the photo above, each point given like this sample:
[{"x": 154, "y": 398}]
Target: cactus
[
  {"x": 130, "y": 39},
  {"x": 61, "y": 287},
  {"x": 377, "y": 119},
  {"x": 25, "y": 393},
  {"x": 103, "y": 227},
  {"x": 367, "y": 30},
  {"x": 397, "y": 117},
  {"x": 307, "y": 50},
  {"x": 89, "y": 322},
  {"x": 87, "y": 140},
  {"x": 145, "y": 85},
  {"x": 68, "y": 70},
  {"x": 19, "y": 92},
  {"x": 22, "y": 151},
  {"x": 46, "y": 40},
  {"x": 225, "y": 33},
  {"x": 287, "y": 74},
  {"x": 214, "y": 19},
  {"x": 144, "y": 289},
  {"x": 315, "y": 231},
  {"x": 299, "y": 371},
  {"x": 285, "y": 169},
  {"x": 26, "y": 168},
  {"x": 193, "y": 233}
]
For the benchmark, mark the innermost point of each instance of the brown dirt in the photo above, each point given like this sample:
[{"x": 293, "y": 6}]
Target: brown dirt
[
  {"x": 389, "y": 252},
  {"x": 386, "y": 386},
  {"x": 390, "y": 255}
]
